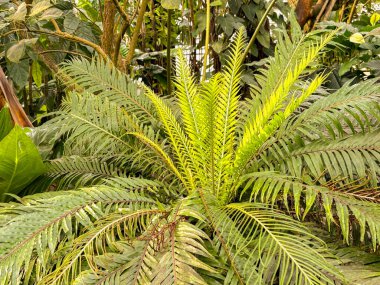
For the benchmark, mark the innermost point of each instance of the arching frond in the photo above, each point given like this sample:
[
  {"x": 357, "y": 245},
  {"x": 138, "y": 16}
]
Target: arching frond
[
  {"x": 120, "y": 225},
  {"x": 277, "y": 245},
  {"x": 178, "y": 260},
  {"x": 43, "y": 225},
  {"x": 340, "y": 203},
  {"x": 179, "y": 141},
  {"x": 92, "y": 122},
  {"x": 349, "y": 110},
  {"x": 77, "y": 171},
  {"x": 276, "y": 99},
  {"x": 104, "y": 80},
  {"x": 226, "y": 110},
  {"x": 351, "y": 158},
  {"x": 132, "y": 264},
  {"x": 188, "y": 101}
]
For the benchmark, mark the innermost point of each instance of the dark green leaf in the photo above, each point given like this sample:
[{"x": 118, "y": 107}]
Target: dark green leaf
[
  {"x": 51, "y": 13},
  {"x": 71, "y": 23},
  {"x": 19, "y": 72}
]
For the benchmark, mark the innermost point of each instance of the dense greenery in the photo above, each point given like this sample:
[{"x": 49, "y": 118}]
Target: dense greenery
[
  {"x": 139, "y": 38},
  {"x": 189, "y": 142},
  {"x": 204, "y": 187}
]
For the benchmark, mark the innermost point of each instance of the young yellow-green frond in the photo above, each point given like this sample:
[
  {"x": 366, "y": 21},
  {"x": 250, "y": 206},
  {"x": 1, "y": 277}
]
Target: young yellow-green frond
[
  {"x": 208, "y": 94},
  {"x": 268, "y": 115},
  {"x": 161, "y": 153},
  {"x": 182, "y": 148},
  {"x": 188, "y": 100},
  {"x": 226, "y": 110}
]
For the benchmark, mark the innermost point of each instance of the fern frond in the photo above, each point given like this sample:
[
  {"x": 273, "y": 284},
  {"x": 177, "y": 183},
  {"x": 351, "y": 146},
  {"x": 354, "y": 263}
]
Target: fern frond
[
  {"x": 357, "y": 266},
  {"x": 276, "y": 104},
  {"x": 116, "y": 226},
  {"x": 339, "y": 203},
  {"x": 188, "y": 101},
  {"x": 208, "y": 96},
  {"x": 130, "y": 265},
  {"x": 349, "y": 110},
  {"x": 259, "y": 130},
  {"x": 277, "y": 243},
  {"x": 35, "y": 229},
  {"x": 178, "y": 262},
  {"x": 354, "y": 157},
  {"x": 161, "y": 153},
  {"x": 93, "y": 122},
  {"x": 76, "y": 171},
  {"x": 179, "y": 141},
  {"x": 226, "y": 110},
  {"x": 104, "y": 80}
]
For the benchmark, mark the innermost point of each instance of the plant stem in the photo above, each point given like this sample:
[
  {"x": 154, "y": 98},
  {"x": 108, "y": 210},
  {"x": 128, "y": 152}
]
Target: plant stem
[
  {"x": 319, "y": 16},
  {"x": 329, "y": 9},
  {"x": 168, "y": 57},
  {"x": 352, "y": 11},
  {"x": 262, "y": 21},
  {"x": 136, "y": 32},
  {"x": 207, "y": 39},
  {"x": 68, "y": 36}
]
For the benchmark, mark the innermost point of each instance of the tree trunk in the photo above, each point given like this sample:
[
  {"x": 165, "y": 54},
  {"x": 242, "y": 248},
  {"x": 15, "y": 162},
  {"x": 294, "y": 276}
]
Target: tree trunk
[
  {"x": 7, "y": 94},
  {"x": 108, "y": 36},
  {"x": 136, "y": 33}
]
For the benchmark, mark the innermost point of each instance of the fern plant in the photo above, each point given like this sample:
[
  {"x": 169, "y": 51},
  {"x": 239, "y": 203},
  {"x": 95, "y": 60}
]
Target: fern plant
[{"x": 190, "y": 190}]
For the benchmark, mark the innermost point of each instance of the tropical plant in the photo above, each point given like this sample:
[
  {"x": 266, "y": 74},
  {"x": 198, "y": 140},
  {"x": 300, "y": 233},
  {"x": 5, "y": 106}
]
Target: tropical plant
[
  {"x": 189, "y": 190},
  {"x": 20, "y": 161}
]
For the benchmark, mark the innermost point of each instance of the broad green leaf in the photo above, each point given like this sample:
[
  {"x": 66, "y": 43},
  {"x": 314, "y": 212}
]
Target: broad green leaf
[
  {"x": 20, "y": 162},
  {"x": 19, "y": 72},
  {"x": 88, "y": 9},
  {"x": 226, "y": 23},
  {"x": 171, "y": 4},
  {"x": 6, "y": 123},
  {"x": 71, "y": 23},
  {"x": 40, "y": 7},
  {"x": 15, "y": 52},
  {"x": 375, "y": 18},
  {"x": 51, "y": 13},
  {"x": 357, "y": 38},
  {"x": 20, "y": 13},
  {"x": 37, "y": 73},
  {"x": 264, "y": 39},
  {"x": 200, "y": 22}
]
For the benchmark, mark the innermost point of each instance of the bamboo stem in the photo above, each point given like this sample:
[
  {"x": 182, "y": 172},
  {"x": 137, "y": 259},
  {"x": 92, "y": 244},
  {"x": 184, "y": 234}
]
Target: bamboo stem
[
  {"x": 136, "y": 33},
  {"x": 262, "y": 21},
  {"x": 352, "y": 11},
  {"x": 168, "y": 56},
  {"x": 68, "y": 36},
  {"x": 207, "y": 40}
]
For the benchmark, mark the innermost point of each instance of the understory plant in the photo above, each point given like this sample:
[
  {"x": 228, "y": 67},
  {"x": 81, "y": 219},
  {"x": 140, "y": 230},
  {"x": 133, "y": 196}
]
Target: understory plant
[{"x": 203, "y": 188}]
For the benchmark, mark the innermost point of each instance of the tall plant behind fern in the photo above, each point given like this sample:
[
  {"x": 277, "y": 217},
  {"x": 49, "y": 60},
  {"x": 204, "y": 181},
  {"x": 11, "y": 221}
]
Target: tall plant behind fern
[{"x": 190, "y": 190}]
